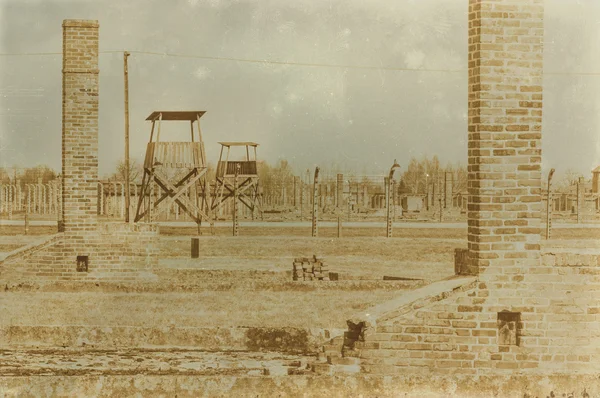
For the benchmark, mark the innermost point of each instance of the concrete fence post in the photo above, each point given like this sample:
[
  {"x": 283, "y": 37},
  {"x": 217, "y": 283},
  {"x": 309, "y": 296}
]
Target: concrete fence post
[
  {"x": 195, "y": 248},
  {"x": 580, "y": 199},
  {"x": 315, "y": 207}
]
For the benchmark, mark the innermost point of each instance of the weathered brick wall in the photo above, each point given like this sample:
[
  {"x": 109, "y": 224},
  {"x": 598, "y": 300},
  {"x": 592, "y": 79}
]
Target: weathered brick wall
[
  {"x": 561, "y": 330},
  {"x": 116, "y": 252},
  {"x": 80, "y": 126},
  {"x": 566, "y": 288}
]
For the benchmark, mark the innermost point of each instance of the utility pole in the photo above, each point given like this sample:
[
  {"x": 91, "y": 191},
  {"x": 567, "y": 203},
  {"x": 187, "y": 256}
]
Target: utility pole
[
  {"x": 27, "y": 214},
  {"x": 236, "y": 225},
  {"x": 302, "y": 195},
  {"x": 389, "y": 198},
  {"x": 126, "y": 76},
  {"x": 301, "y": 200}
]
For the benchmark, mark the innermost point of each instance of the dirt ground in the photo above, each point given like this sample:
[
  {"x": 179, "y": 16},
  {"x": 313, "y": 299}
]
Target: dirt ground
[
  {"x": 235, "y": 307},
  {"x": 428, "y": 231},
  {"x": 85, "y": 363}
]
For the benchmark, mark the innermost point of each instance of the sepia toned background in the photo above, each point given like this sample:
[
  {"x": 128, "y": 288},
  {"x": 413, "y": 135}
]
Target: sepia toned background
[{"x": 357, "y": 119}]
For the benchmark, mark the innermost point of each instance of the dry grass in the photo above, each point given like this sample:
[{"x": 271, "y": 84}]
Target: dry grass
[
  {"x": 425, "y": 253},
  {"x": 285, "y": 246},
  {"x": 326, "y": 308},
  {"x": 367, "y": 257}
]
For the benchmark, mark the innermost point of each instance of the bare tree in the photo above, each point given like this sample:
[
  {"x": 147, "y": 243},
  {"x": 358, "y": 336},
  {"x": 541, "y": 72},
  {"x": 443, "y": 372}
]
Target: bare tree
[
  {"x": 411, "y": 176},
  {"x": 31, "y": 175},
  {"x": 135, "y": 172},
  {"x": 568, "y": 179}
]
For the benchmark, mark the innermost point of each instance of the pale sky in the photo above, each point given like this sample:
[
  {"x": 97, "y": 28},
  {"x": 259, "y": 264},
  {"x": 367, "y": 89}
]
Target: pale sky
[{"x": 360, "y": 119}]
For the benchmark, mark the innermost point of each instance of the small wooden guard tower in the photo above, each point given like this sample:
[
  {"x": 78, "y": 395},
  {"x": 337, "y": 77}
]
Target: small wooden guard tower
[
  {"x": 237, "y": 177},
  {"x": 178, "y": 168}
]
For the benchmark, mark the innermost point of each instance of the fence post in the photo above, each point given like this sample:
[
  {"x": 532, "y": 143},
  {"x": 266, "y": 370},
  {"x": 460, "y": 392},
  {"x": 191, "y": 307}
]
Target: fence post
[
  {"x": 236, "y": 226},
  {"x": 315, "y": 230}
]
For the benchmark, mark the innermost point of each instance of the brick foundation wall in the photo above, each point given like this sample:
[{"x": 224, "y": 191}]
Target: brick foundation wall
[
  {"x": 558, "y": 301},
  {"x": 117, "y": 252}
]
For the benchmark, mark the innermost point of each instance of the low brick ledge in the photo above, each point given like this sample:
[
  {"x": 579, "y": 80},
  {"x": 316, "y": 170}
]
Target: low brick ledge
[
  {"x": 109, "y": 228},
  {"x": 571, "y": 257},
  {"x": 33, "y": 247},
  {"x": 413, "y": 300}
]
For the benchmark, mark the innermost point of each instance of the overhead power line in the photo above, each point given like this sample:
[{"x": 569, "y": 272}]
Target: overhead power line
[
  {"x": 289, "y": 63},
  {"x": 320, "y": 65},
  {"x": 254, "y": 61}
]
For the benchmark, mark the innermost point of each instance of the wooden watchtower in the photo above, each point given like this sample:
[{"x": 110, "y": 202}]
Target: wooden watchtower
[
  {"x": 237, "y": 177},
  {"x": 178, "y": 168}
]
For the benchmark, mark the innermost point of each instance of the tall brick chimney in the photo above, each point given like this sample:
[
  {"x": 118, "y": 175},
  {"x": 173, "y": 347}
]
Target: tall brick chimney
[
  {"x": 80, "y": 126},
  {"x": 505, "y": 125}
]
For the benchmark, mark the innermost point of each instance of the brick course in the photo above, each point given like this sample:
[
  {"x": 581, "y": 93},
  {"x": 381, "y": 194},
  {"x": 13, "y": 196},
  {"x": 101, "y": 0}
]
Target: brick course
[
  {"x": 459, "y": 334},
  {"x": 117, "y": 251}
]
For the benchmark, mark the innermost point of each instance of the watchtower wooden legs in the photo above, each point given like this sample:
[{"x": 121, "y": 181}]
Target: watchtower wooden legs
[{"x": 174, "y": 193}]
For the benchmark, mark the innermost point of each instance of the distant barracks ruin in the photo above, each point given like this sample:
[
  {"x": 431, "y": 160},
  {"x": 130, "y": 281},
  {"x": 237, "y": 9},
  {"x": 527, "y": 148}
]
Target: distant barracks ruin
[{"x": 514, "y": 314}]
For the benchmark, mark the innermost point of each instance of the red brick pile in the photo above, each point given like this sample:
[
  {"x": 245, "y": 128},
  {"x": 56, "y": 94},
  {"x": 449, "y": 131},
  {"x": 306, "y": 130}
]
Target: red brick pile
[{"x": 310, "y": 269}]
